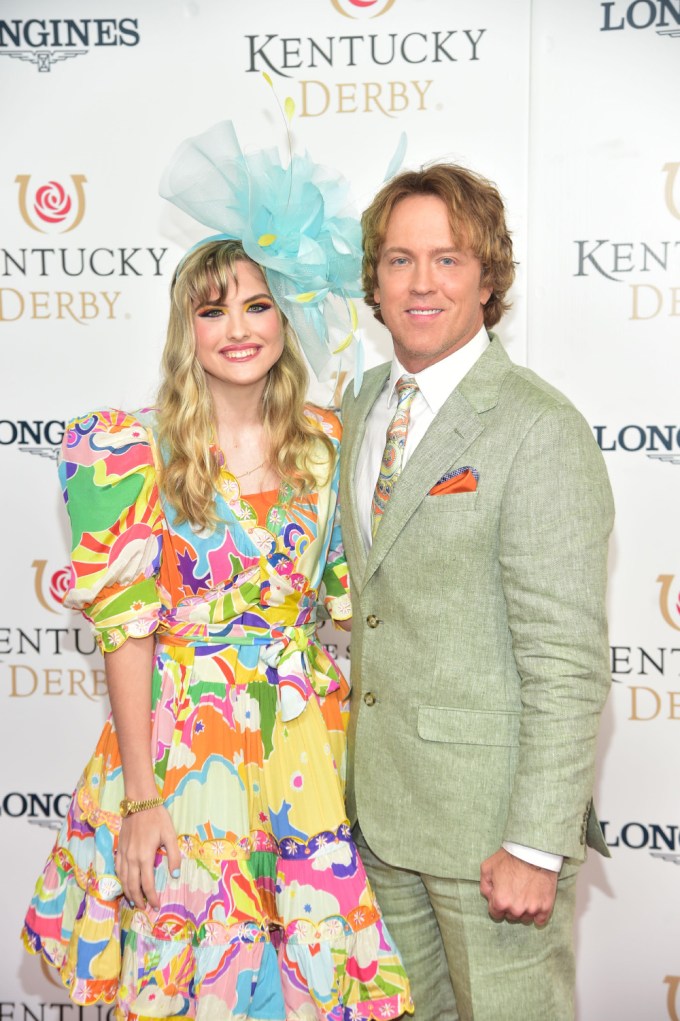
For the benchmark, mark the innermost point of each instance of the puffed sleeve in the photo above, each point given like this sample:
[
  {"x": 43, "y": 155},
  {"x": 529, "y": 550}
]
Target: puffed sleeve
[
  {"x": 335, "y": 576},
  {"x": 108, "y": 479}
]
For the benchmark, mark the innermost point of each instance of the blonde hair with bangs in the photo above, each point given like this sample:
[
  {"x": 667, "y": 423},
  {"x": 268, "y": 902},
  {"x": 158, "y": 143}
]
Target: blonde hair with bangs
[
  {"x": 477, "y": 219},
  {"x": 299, "y": 451}
]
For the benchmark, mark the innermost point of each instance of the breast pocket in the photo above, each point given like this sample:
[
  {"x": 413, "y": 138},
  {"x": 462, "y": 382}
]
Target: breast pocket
[{"x": 450, "y": 503}]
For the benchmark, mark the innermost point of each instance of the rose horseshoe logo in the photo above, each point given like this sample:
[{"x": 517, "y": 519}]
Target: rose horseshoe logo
[
  {"x": 51, "y": 207},
  {"x": 671, "y": 172},
  {"x": 50, "y": 593},
  {"x": 669, "y": 601},
  {"x": 362, "y": 8},
  {"x": 673, "y": 984}
]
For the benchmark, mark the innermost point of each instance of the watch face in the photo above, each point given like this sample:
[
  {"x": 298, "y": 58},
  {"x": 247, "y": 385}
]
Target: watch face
[{"x": 124, "y": 806}]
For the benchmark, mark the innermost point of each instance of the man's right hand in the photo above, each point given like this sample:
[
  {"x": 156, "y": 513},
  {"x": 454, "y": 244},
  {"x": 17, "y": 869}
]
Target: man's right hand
[{"x": 516, "y": 890}]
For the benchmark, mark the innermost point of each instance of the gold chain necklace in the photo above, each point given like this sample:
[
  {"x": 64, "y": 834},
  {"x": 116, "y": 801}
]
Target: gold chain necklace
[{"x": 244, "y": 474}]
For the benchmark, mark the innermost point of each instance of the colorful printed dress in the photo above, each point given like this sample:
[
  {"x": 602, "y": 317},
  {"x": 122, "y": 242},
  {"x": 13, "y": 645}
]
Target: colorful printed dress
[{"x": 272, "y": 917}]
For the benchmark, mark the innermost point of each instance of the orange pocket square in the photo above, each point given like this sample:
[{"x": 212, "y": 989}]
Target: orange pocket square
[{"x": 460, "y": 480}]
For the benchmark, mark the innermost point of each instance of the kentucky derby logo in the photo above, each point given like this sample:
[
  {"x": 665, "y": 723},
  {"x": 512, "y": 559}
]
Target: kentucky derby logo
[
  {"x": 52, "y": 208},
  {"x": 673, "y": 999},
  {"x": 362, "y": 8},
  {"x": 50, "y": 590},
  {"x": 669, "y": 601},
  {"x": 671, "y": 172}
]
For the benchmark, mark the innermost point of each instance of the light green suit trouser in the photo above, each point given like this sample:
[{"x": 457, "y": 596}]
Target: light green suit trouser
[{"x": 462, "y": 965}]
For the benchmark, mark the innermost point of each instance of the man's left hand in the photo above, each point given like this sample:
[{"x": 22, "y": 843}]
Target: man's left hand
[{"x": 517, "y": 891}]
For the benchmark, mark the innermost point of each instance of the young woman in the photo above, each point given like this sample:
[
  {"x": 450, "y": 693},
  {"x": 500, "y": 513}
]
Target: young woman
[{"x": 206, "y": 868}]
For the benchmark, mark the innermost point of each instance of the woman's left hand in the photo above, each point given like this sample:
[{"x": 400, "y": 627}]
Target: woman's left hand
[{"x": 141, "y": 835}]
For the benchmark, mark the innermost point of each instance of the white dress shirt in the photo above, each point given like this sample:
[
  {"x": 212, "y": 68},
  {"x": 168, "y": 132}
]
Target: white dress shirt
[{"x": 435, "y": 385}]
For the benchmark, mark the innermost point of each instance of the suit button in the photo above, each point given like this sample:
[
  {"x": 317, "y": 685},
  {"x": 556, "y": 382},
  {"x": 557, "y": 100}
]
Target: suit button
[
  {"x": 372, "y": 620},
  {"x": 369, "y": 698}
]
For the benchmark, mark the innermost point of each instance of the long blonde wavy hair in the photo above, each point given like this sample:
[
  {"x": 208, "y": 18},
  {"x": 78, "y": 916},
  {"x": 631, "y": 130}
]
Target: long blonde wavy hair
[{"x": 299, "y": 451}]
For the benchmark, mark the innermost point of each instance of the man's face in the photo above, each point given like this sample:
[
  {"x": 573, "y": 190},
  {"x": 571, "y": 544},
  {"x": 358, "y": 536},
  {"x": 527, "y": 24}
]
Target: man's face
[{"x": 429, "y": 289}]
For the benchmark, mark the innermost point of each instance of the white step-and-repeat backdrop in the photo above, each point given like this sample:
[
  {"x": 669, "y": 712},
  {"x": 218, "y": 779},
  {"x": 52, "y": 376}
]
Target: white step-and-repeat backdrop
[{"x": 572, "y": 109}]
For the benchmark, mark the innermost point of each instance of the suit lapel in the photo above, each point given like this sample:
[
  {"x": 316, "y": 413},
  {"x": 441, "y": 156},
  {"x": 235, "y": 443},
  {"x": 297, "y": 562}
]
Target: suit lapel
[
  {"x": 452, "y": 431},
  {"x": 356, "y": 411},
  {"x": 455, "y": 427}
]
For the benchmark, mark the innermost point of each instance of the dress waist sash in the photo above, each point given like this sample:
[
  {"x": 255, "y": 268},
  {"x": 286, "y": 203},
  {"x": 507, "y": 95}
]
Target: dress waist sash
[{"x": 291, "y": 656}]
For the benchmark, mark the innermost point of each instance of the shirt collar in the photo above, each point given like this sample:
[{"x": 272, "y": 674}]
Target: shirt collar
[{"x": 437, "y": 382}]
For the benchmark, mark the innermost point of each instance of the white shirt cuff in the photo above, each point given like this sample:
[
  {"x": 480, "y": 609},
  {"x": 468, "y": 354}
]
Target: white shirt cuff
[{"x": 544, "y": 859}]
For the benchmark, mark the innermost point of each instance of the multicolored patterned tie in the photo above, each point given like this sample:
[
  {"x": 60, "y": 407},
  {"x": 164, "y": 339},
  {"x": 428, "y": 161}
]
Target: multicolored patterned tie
[{"x": 393, "y": 455}]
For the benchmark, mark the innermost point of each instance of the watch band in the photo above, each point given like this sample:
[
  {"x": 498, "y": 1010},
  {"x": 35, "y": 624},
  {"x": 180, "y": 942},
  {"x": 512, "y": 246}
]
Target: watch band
[{"x": 128, "y": 807}]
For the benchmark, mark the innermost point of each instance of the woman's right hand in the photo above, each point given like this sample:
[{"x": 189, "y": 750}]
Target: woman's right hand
[{"x": 141, "y": 834}]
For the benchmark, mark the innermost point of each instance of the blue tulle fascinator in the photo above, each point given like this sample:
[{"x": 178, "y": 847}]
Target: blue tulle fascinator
[{"x": 295, "y": 221}]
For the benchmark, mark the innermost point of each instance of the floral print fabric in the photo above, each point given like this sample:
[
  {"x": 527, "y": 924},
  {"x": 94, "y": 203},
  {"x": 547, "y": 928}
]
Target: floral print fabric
[{"x": 272, "y": 917}]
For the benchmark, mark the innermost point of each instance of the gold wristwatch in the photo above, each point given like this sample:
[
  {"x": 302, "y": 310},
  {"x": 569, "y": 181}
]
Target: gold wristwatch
[{"x": 128, "y": 807}]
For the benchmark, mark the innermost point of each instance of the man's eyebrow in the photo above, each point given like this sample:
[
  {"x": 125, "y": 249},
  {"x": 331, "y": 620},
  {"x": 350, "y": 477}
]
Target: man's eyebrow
[{"x": 448, "y": 249}]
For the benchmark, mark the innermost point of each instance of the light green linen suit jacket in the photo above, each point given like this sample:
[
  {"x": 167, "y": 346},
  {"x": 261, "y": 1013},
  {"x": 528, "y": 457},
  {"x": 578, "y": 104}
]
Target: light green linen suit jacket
[{"x": 479, "y": 651}]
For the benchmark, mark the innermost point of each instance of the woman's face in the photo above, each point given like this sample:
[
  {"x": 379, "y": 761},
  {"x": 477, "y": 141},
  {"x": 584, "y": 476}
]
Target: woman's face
[{"x": 238, "y": 341}]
